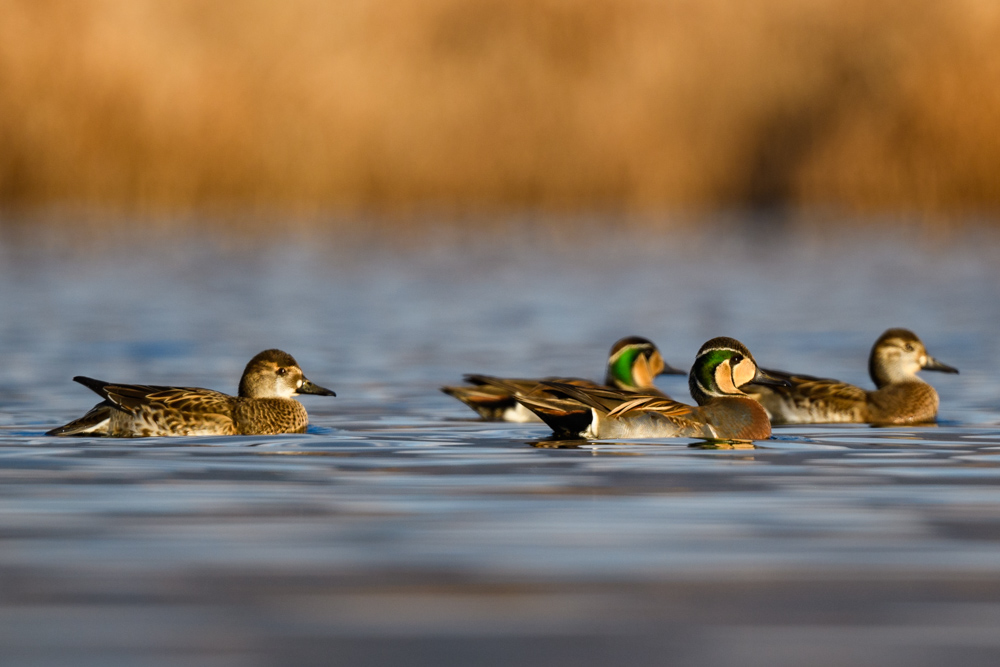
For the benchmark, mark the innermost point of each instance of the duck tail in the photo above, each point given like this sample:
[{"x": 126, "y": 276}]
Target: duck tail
[
  {"x": 95, "y": 422},
  {"x": 99, "y": 387},
  {"x": 488, "y": 400},
  {"x": 565, "y": 416}
]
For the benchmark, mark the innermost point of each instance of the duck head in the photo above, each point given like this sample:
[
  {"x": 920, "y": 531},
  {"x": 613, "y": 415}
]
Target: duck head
[
  {"x": 633, "y": 363},
  {"x": 898, "y": 355},
  {"x": 722, "y": 367},
  {"x": 276, "y": 374}
]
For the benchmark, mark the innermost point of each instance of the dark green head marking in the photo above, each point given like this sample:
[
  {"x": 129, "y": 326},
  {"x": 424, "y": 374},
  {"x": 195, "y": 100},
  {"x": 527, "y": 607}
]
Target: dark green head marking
[
  {"x": 622, "y": 359},
  {"x": 703, "y": 381}
]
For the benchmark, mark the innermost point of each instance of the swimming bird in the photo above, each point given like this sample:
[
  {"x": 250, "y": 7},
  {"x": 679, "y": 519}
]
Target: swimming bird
[
  {"x": 632, "y": 364},
  {"x": 723, "y": 367},
  {"x": 900, "y": 397},
  {"x": 263, "y": 406}
]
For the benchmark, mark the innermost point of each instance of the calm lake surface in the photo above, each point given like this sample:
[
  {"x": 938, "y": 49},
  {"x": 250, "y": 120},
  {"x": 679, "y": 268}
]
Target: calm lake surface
[{"x": 400, "y": 530}]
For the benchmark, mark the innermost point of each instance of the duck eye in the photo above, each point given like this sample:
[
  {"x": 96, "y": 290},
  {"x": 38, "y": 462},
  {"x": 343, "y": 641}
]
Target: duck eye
[
  {"x": 282, "y": 371},
  {"x": 908, "y": 347},
  {"x": 737, "y": 358}
]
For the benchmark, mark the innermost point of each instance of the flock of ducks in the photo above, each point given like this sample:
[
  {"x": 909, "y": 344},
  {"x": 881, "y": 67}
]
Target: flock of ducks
[{"x": 736, "y": 399}]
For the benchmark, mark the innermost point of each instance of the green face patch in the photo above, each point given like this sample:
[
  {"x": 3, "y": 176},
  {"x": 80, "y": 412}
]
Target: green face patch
[
  {"x": 621, "y": 366},
  {"x": 706, "y": 364}
]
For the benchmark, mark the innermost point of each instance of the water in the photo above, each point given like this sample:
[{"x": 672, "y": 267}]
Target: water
[{"x": 401, "y": 531}]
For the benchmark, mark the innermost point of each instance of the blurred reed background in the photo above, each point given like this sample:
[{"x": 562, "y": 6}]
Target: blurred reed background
[{"x": 458, "y": 107}]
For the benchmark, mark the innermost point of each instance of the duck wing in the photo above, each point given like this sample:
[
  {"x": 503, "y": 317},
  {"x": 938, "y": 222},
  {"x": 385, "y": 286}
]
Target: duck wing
[
  {"x": 811, "y": 387},
  {"x": 616, "y": 402},
  {"x": 810, "y": 399},
  {"x": 565, "y": 416},
  {"x": 495, "y": 398},
  {"x": 133, "y": 397},
  {"x": 617, "y": 413}
]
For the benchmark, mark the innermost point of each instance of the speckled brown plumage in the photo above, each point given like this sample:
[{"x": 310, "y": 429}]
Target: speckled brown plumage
[
  {"x": 900, "y": 396},
  {"x": 265, "y": 405},
  {"x": 260, "y": 416}
]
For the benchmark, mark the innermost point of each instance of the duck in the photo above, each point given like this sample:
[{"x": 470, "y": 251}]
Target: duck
[
  {"x": 264, "y": 405},
  {"x": 633, "y": 362},
  {"x": 722, "y": 369},
  {"x": 900, "y": 395}
]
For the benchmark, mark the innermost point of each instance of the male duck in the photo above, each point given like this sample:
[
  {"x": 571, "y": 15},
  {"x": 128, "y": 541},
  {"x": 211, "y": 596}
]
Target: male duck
[
  {"x": 632, "y": 364},
  {"x": 724, "y": 412}
]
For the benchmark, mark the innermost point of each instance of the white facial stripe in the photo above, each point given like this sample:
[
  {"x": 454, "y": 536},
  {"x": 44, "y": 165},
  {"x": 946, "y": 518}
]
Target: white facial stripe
[
  {"x": 614, "y": 357},
  {"x": 703, "y": 389}
]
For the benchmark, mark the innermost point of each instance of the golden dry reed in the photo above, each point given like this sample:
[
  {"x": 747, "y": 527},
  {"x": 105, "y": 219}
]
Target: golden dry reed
[{"x": 153, "y": 106}]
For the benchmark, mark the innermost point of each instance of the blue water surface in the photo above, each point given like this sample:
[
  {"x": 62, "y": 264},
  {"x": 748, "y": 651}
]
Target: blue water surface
[{"x": 401, "y": 530}]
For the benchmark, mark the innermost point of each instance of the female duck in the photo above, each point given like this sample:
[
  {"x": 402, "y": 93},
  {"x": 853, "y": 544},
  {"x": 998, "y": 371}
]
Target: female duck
[
  {"x": 900, "y": 396},
  {"x": 264, "y": 405}
]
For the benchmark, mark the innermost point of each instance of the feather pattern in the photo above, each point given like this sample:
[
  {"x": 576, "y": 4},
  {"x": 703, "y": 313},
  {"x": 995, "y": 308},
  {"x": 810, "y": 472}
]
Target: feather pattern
[
  {"x": 632, "y": 364},
  {"x": 264, "y": 405},
  {"x": 722, "y": 368},
  {"x": 900, "y": 397}
]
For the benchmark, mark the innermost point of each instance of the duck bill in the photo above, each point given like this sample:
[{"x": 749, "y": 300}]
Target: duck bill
[
  {"x": 933, "y": 364},
  {"x": 670, "y": 370},
  {"x": 310, "y": 388},
  {"x": 762, "y": 377}
]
